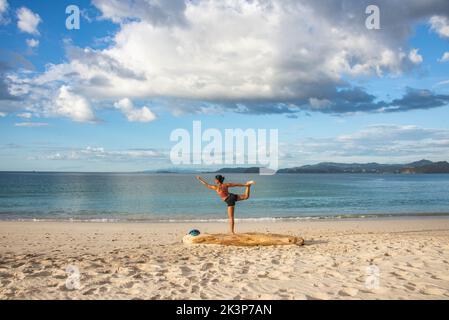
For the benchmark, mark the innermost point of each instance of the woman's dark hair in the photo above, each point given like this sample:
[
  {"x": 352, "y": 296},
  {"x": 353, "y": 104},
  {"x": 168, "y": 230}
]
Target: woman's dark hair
[{"x": 220, "y": 178}]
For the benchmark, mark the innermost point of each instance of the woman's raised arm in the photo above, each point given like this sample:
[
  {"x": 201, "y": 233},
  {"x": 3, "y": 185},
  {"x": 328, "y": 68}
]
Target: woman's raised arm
[{"x": 205, "y": 183}]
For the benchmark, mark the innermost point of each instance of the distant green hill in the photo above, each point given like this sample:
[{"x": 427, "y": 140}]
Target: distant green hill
[{"x": 422, "y": 166}]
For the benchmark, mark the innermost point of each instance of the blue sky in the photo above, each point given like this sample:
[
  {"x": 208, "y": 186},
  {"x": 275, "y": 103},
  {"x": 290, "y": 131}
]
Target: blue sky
[{"x": 107, "y": 96}]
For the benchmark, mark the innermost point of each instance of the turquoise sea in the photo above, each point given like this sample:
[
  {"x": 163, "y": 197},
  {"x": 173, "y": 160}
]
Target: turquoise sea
[{"x": 174, "y": 197}]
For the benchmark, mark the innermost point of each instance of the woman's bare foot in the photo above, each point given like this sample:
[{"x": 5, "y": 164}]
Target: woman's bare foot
[{"x": 250, "y": 182}]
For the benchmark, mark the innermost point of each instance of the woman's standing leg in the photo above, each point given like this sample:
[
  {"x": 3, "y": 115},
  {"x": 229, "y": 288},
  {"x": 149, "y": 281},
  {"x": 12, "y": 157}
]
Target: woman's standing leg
[{"x": 231, "y": 219}]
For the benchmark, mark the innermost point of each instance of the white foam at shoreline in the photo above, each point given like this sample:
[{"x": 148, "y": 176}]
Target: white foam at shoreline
[{"x": 260, "y": 219}]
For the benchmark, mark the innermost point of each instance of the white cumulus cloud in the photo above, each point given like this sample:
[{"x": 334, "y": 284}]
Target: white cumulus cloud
[
  {"x": 71, "y": 105},
  {"x": 32, "y": 43},
  {"x": 415, "y": 57},
  {"x": 440, "y": 24},
  {"x": 133, "y": 114},
  {"x": 445, "y": 57},
  {"x": 158, "y": 12},
  {"x": 3, "y": 6},
  {"x": 244, "y": 57},
  {"x": 260, "y": 56},
  {"x": 3, "y": 9},
  {"x": 28, "y": 21}
]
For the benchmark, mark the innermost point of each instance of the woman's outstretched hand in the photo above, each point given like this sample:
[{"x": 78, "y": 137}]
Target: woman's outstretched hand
[
  {"x": 200, "y": 180},
  {"x": 205, "y": 183}
]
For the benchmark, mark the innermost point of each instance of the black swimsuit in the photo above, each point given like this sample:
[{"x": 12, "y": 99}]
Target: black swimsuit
[{"x": 231, "y": 199}]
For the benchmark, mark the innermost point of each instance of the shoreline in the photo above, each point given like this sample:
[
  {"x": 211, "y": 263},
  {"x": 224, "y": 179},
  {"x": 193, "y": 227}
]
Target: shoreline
[
  {"x": 348, "y": 217},
  {"x": 410, "y": 257}
]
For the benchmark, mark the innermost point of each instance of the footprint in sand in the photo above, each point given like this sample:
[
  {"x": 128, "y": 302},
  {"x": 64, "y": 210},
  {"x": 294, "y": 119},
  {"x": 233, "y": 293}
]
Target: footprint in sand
[
  {"x": 41, "y": 274},
  {"x": 348, "y": 292},
  {"x": 430, "y": 290},
  {"x": 194, "y": 289},
  {"x": 275, "y": 261},
  {"x": 318, "y": 296},
  {"x": 410, "y": 286},
  {"x": 18, "y": 265},
  {"x": 185, "y": 271},
  {"x": 128, "y": 285},
  {"x": 400, "y": 275},
  {"x": 5, "y": 282},
  {"x": 206, "y": 266},
  {"x": 6, "y": 275},
  {"x": 103, "y": 289},
  {"x": 278, "y": 275},
  {"x": 89, "y": 292},
  {"x": 262, "y": 274}
]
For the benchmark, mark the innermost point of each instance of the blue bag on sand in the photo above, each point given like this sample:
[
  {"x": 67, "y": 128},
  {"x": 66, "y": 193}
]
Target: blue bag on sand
[{"x": 194, "y": 232}]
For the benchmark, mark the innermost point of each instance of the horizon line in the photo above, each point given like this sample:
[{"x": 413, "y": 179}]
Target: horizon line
[{"x": 202, "y": 170}]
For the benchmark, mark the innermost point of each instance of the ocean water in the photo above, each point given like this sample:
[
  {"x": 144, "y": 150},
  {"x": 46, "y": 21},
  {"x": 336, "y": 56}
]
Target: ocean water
[{"x": 173, "y": 197}]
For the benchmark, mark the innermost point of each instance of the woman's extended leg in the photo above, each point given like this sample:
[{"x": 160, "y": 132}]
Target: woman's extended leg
[
  {"x": 246, "y": 195},
  {"x": 231, "y": 219}
]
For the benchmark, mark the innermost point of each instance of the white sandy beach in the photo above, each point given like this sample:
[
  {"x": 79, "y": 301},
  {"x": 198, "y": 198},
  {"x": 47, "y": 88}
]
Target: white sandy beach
[{"x": 341, "y": 259}]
